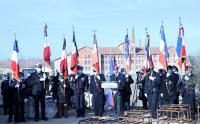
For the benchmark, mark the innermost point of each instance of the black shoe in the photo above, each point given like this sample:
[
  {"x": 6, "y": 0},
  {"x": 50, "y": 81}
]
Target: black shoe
[
  {"x": 77, "y": 116},
  {"x": 36, "y": 120},
  {"x": 9, "y": 120},
  {"x": 83, "y": 116},
  {"x": 45, "y": 119}
]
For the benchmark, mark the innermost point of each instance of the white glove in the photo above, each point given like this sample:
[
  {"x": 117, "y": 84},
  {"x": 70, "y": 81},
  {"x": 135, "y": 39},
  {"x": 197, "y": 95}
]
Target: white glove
[
  {"x": 25, "y": 100},
  {"x": 168, "y": 74},
  {"x": 64, "y": 85},
  {"x": 145, "y": 94},
  {"x": 98, "y": 77},
  {"x": 17, "y": 85},
  {"x": 151, "y": 78},
  {"x": 126, "y": 75},
  {"x": 186, "y": 78},
  {"x": 76, "y": 77},
  {"x": 161, "y": 95},
  {"x": 42, "y": 79}
]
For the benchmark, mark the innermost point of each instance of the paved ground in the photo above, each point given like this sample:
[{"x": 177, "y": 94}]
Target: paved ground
[{"x": 70, "y": 120}]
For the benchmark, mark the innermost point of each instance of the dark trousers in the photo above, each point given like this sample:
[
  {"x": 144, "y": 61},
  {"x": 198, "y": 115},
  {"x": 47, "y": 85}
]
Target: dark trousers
[
  {"x": 10, "y": 107},
  {"x": 5, "y": 104},
  {"x": 119, "y": 103},
  {"x": 144, "y": 102},
  {"x": 153, "y": 103},
  {"x": 40, "y": 99},
  {"x": 19, "y": 110},
  {"x": 80, "y": 103},
  {"x": 98, "y": 104}
]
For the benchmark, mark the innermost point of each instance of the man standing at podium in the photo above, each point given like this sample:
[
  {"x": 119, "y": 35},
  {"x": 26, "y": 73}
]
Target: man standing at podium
[{"x": 119, "y": 100}]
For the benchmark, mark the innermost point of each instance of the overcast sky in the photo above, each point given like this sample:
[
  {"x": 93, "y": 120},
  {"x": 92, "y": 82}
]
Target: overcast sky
[{"x": 110, "y": 18}]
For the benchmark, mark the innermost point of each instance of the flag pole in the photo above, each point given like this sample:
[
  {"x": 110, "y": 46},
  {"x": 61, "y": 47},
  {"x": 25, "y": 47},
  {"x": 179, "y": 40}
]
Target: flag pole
[
  {"x": 64, "y": 83},
  {"x": 44, "y": 59},
  {"x": 18, "y": 82}
]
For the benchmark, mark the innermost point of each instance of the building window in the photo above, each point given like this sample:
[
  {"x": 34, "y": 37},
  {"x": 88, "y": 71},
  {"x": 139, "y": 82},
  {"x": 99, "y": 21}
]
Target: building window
[
  {"x": 86, "y": 62},
  {"x": 88, "y": 56}
]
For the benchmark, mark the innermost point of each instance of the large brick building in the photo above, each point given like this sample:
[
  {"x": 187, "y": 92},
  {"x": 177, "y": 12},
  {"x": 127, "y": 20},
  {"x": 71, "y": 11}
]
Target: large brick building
[{"x": 105, "y": 53}]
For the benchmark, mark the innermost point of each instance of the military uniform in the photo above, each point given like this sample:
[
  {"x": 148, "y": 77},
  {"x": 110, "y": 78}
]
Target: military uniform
[
  {"x": 172, "y": 81},
  {"x": 38, "y": 93},
  {"x": 19, "y": 104},
  {"x": 98, "y": 98},
  {"x": 164, "y": 91},
  {"x": 188, "y": 92},
  {"x": 81, "y": 85},
  {"x": 119, "y": 100},
  {"x": 152, "y": 83},
  {"x": 141, "y": 84},
  {"x": 11, "y": 99}
]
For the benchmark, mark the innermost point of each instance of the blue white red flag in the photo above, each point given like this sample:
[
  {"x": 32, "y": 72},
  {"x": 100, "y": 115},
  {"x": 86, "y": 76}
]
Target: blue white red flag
[
  {"x": 95, "y": 56},
  {"x": 74, "y": 55},
  {"x": 14, "y": 64},
  {"x": 163, "y": 53},
  {"x": 149, "y": 63},
  {"x": 63, "y": 62},
  {"x": 110, "y": 98},
  {"x": 180, "y": 47},
  {"x": 47, "y": 50}
]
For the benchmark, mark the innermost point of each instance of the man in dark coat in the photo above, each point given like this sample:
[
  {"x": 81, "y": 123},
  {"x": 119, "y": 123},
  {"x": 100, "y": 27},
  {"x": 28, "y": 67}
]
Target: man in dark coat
[
  {"x": 98, "y": 98},
  {"x": 141, "y": 83},
  {"x": 152, "y": 83},
  {"x": 188, "y": 90},
  {"x": 20, "y": 93},
  {"x": 38, "y": 92},
  {"x": 172, "y": 81},
  {"x": 127, "y": 89},
  {"x": 119, "y": 100},
  {"x": 81, "y": 85},
  {"x": 4, "y": 93},
  {"x": 164, "y": 94}
]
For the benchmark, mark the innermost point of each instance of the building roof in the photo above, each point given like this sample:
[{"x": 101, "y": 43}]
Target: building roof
[
  {"x": 154, "y": 50},
  {"x": 108, "y": 50}
]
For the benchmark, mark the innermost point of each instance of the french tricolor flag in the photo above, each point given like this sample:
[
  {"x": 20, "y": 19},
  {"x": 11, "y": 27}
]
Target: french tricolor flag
[
  {"x": 74, "y": 55},
  {"x": 180, "y": 48},
  {"x": 95, "y": 56},
  {"x": 163, "y": 53},
  {"x": 149, "y": 63},
  {"x": 63, "y": 62},
  {"x": 46, "y": 51},
  {"x": 14, "y": 64}
]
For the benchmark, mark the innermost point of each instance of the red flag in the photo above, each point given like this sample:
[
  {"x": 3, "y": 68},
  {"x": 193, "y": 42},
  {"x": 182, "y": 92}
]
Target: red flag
[
  {"x": 14, "y": 64},
  {"x": 74, "y": 55},
  {"x": 95, "y": 56},
  {"x": 63, "y": 62},
  {"x": 46, "y": 51}
]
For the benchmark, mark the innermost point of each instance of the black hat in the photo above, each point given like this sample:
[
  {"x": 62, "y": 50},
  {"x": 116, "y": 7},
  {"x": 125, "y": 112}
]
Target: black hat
[
  {"x": 79, "y": 67},
  {"x": 123, "y": 70},
  {"x": 169, "y": 67},
  {"x": 175, "y": 67}
]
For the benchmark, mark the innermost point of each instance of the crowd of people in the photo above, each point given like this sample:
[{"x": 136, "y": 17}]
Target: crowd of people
[
  {"x": 166, "y": 87},
  {"x": 155, "y": 90}
]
